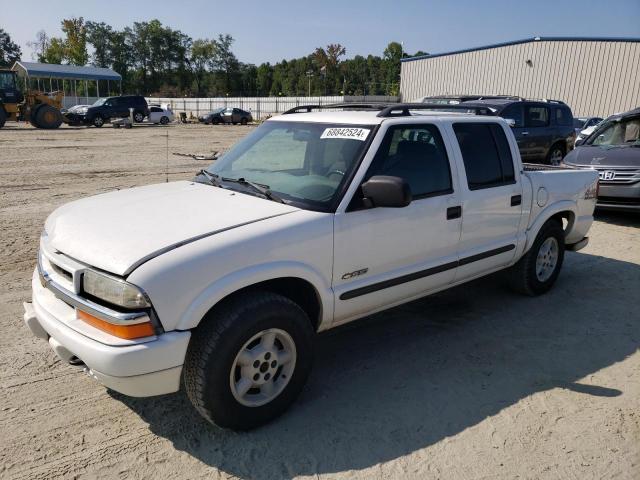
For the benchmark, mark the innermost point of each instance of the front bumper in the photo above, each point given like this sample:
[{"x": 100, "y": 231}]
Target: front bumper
[
  {"x": 619, "y": 196},
  {"x": 74, "y": 118},
  {"x": 139, "y": 369}
]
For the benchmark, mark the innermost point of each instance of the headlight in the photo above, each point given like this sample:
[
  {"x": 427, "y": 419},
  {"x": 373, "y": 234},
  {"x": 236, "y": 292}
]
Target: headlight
[
  {"x": 82, "y": 110},
  {"x": 113, "y": 290}
]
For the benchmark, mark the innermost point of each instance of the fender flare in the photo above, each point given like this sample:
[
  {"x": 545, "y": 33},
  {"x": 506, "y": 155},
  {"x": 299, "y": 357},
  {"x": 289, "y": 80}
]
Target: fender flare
[
  {"x": 545, "y": 215},
  {"x": 246, "y": 277}
]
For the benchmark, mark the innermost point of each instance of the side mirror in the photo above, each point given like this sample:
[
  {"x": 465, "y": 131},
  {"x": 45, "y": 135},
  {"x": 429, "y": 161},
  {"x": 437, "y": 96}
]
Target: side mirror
[
  {"x": 510, "y": 121},
  {"x": 385, "y": 191}
]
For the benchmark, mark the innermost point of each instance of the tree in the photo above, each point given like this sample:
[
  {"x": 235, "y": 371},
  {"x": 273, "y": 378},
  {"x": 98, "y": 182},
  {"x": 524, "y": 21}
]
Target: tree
[
  {"x": 9, "y": 51},
  {"x": 75, "y": 43},
  {"x": 39, "y": 46},
  {"x": 100, "y": 36}
]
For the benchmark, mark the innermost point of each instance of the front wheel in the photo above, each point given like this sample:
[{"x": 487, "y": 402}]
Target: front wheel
[
  {"x": 98, "y": 121},
  {"x": 138, "y": 117},
  {"x": 164, "y": 120},
  {"x": 249, "y": 360},
  {"x": 536, "y": 272}
]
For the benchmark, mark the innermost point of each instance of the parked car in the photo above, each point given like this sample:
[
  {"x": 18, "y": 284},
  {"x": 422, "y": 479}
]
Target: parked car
[
  {"x": 236, "y": 115},
  {"x": 104, "y": 109},
  {"x": 582, "y": 123},
  {"x": 212, "y": 118},
  {"x": 307, "y": 223},
  {"x": 161, "y": 114},
  {"x": 613, "y": 149},
  {"x": 543, "y": 128}
]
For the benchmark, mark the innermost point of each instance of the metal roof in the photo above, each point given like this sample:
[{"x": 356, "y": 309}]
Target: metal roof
[
  {"x": 52, "y": 70},
  {"x": 526, "y": 40}
]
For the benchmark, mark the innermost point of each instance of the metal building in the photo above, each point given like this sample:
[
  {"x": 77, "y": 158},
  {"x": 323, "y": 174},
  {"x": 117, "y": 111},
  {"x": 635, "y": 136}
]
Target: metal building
[{"x": 594, "y": 76}]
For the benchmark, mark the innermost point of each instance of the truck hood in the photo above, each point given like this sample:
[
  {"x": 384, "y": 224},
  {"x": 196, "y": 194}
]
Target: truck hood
[
  {"x": 589, "y": 156},
  {"x": 118, "y": 231}
]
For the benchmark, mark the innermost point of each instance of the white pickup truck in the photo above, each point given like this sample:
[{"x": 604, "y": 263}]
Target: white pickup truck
[{"x": 315, "y": 219}]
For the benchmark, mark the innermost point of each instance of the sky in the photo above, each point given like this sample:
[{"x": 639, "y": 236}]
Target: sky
[{"x": 269, "y": 31}]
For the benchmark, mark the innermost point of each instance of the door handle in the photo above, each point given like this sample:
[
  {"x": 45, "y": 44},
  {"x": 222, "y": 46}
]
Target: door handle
[
  {"x": 524, "y": 133},
  {"x": 454, "y": 212},
  {"x": 516, "y": 200}
]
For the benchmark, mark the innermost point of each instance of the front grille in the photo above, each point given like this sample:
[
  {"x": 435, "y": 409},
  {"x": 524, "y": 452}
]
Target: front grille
[
  {"x": 618, "y": 175},
  {"x": 61, "y": 271}
]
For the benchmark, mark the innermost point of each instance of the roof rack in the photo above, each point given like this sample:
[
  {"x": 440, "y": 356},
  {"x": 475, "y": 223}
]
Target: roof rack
[
  {"x": 345, "y": 106},
  {"x": 404, "y": 109}
]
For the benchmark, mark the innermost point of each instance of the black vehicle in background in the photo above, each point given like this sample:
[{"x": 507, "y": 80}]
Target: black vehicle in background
[
  {"x": 104, "y": 109},
  {"x": 226, "y": 115},
  {"x": 613, "y": 149},
  {"x": 543, "y": 128}
]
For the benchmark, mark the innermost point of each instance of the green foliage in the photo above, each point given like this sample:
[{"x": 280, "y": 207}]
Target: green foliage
[
  {"x": 9, "y": 51},
  {"x": 157, "y": 60}
]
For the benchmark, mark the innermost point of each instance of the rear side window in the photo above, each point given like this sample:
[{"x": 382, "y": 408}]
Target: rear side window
[
  {"x": 535, "y": 116},
  {"x": 486, "y": 154},
  {"x": 563, "y": 116}
]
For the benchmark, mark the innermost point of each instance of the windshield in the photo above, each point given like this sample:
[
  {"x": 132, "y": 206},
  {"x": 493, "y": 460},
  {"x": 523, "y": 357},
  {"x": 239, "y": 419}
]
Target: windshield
[
  {"x": 625, "y": 132},
  {"x": 99, "y": 102},
  {"x": 7, "y": 80},
  {"x": 305, "y": 164},
  {"x": 217, "y": 110}
]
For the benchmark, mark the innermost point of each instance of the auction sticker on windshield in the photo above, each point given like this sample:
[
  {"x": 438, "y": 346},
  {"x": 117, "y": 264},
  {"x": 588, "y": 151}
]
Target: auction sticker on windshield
[{"x": 346, "y": 133}]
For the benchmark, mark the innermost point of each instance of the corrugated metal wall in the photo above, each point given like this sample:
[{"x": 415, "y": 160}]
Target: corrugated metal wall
[{"x": 592, "y": 77}]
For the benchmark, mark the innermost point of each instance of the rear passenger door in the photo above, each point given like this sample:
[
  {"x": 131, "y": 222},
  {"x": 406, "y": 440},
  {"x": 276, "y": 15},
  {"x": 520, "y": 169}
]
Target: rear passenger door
[
  {"x": 492, "y": 204},
  {"x": 383, "y": 256},
  {"x": 538, "y": 132}
]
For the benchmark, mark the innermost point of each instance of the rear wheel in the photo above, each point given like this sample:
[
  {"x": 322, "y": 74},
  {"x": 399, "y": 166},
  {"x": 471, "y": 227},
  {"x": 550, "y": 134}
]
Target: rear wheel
[
  {"x": 244, "y": 121},
  {"x": 33, "y": 115},
  {"x": 555, "y": 155},
  {"x": 98, "y": 121},
  {"x": 249, "y": 360},
  {"x": 138, "y": 117},
  {"x": 164, "y": 120},
  {"x": 3, "y": 117},
  {"x": 536, "y": 272},
  {"x": 48, "y": 117}
]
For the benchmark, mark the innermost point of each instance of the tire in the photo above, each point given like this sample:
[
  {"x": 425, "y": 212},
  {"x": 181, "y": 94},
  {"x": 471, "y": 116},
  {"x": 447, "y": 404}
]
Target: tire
[
  {"x": 33, "y": 116},
  {"x": 138, "y": 117},
  {"x": 48, "y": 117},
  {"x": 164, "y": 120},
  {"x": 530, "y": 278},
  {"x": 244, "y": 121},
  {"x": 555, "y": 155},
  {"x": 97, "y": 121},
  {"x": 212, "y": 370},
  {"x": 3, "y": 117}
]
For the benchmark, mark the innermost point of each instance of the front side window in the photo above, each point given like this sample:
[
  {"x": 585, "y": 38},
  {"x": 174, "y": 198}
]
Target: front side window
[
  {"x": 486, "y": 154},
  {"x": 618, "y": 133},
  {"x": 417, "y": 154},
  {"x": 515, "y": 113},
  {"x": 305, "y": 164},
  {"x": 535, "y": 116}
]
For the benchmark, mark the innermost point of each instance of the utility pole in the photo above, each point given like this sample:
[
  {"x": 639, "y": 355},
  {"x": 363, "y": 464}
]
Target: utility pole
[{"x": 309, "y": 75}]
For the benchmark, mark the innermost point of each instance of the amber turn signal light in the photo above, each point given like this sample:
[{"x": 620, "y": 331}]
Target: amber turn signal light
[{"x": 128, "y": 332}]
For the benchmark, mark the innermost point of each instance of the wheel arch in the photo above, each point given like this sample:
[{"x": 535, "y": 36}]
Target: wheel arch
[
  {"x": 298, "y": 284},
  {"x": 564, "y": 212}
]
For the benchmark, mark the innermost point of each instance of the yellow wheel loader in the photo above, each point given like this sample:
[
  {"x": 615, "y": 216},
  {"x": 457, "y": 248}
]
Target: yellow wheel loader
[{"x": 40, "y": 109}]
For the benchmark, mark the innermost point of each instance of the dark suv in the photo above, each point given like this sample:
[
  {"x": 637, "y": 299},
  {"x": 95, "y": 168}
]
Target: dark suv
[
  {"x": 543, "y": 128},
  {"x": 104, "y": 109}
]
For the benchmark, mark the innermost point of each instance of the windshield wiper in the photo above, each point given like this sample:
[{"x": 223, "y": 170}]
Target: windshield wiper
[
  {"x": 262, "y": 190},
  {"x": 212, "y": 178}
]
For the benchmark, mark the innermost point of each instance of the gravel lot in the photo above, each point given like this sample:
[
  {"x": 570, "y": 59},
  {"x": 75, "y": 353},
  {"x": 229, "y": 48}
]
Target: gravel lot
[{"x": 475, "y": 382}]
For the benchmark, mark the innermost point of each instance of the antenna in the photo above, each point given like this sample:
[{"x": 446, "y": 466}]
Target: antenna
[{"x": 167, "y": 165}]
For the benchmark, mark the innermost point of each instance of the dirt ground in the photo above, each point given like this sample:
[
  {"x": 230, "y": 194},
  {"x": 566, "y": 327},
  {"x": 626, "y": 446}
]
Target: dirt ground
[{"x": 472, "y": 383}]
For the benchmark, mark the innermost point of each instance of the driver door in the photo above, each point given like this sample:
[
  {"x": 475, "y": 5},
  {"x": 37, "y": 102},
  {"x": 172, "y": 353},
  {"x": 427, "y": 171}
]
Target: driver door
[{"x": 384, "y": 256}]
